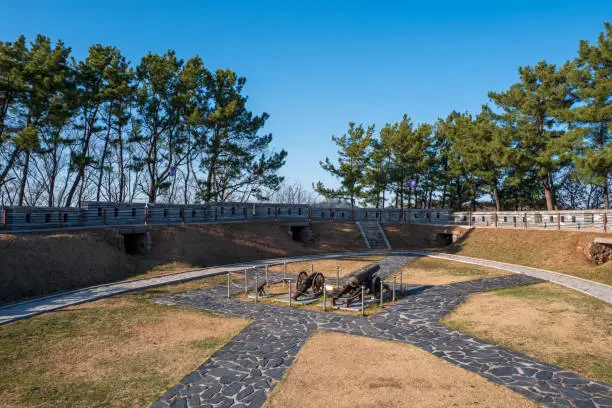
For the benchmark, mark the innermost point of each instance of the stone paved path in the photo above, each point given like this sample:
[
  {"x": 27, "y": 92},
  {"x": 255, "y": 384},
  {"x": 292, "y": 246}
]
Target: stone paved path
[{"x": 246, "y": 369}]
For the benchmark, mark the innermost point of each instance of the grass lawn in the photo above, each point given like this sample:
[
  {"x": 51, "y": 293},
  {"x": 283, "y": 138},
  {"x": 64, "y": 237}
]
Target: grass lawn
[
  {"x": 546, "y": 321},
  {"x": 340, "y": 370},
  {"x": 432, "y": 271},
  {"x": 118, "y": 352}
]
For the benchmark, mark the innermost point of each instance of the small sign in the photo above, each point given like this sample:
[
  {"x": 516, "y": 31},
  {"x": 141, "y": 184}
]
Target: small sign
[{"x": 412, "y": 183}]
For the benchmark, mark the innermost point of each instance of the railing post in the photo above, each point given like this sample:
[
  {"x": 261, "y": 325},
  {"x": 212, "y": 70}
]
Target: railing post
[
  {"x": 558, "y": 221},
  {"x": 330, "y": 215},
  {"x": 469, "y": 218},
  {"x": 495, "y": 219},
  {"x": 362, "y": 300},
  {"x": 605, "y": 221},
  {"x": 105, "y": 216},
  {"x": 146, "y": 215},
  {"x": 525, "y": 220},
  {"x": 3, "y": 217},
  {"x": 183, "y": 214},
  {"x": 59, "y": 219},
  {"x": 245, "y": 213},
  {"x": 229, "y": 285}
]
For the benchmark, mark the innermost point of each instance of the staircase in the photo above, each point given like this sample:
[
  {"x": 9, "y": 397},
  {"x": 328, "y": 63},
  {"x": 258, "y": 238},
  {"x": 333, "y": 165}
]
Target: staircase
[{"x": 373, "y": 235}]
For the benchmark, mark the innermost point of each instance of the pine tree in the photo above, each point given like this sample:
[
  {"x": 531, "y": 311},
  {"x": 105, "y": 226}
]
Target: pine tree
[
  {"x": 353, "y": 150},
  {"x": 483, "y": 147},
  {"x": 237, "y": 161},
  {"x": 528, "y": 108},
  {"x": 591, "y": 117}
]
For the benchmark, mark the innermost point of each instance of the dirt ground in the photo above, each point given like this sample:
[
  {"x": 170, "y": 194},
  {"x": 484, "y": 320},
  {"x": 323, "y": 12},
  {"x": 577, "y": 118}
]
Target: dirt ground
[
  {"x": 41, "y": 263},
  {"x": 547, "y": 321},
  {"x": 336, "y": 237},
  {"x": 414, "y": 236},
  {"x": 432, "y": 271},
  {"x": 340, "y": 370},
  {"x": 116, "y": 352},
  {"x": 328, "y": 266}
]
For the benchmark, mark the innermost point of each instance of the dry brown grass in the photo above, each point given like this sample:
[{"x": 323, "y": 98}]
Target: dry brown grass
[
  {"x": 547, "y": 321},
  {"x": 432, "y": 271},
  {"x": 328, "y": 266},
  {"x": 340, "y": 370},
  {"x": 559, "y": 251},
  {"x": 116, "y": 352}
]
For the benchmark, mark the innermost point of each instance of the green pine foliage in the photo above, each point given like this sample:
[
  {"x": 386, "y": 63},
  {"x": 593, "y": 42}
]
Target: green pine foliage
[
  {"x": 543, "y": 143},
  {"x": 102, "y": 129}
]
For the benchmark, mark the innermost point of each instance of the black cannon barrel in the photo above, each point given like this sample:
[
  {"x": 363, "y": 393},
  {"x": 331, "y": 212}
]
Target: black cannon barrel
[{"x": 362, "y": 275}]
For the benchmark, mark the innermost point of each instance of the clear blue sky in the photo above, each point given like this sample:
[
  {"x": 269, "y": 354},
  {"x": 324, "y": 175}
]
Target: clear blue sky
[{"x": 316, "y": 65}]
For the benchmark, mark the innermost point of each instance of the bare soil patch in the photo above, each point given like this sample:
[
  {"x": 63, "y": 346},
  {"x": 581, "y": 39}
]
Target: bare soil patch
[
  {"x": 340, "y": 370},
  {"x": 547, "y": 321},
  {"x": 337, "y": 237},
  {"x": 415, "y": 236},
  {"x": 116, "y": 352},
  {"x": 40, "y": 263},
  {"x": 432, "y": 271}
]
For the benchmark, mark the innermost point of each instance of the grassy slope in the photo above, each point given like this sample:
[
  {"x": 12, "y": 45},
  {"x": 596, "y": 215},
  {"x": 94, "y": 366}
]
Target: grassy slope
[
  {"x": 553, "y": 250},
  {"x": 559, "y": 251},
  {"x": 37, "y": 264}
]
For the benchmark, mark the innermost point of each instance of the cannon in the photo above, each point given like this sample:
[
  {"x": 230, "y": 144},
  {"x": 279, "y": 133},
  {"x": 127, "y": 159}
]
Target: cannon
[
  {"x": 316, "y": 281},
  {"x": 261, "y": 290},
  {"x": 351, "y": 292}
]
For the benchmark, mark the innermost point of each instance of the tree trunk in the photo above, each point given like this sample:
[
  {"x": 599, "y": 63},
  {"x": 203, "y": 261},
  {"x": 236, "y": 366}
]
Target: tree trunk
[
  {"x": 24, "y": 178},
  {"x": 51, "y": 198},
  {"x": 121, "y": 169},
  {"x": 496, "y": 197},
  {"x": 547, "y": 193},
  {"x": 9, "y": 165},
  {"x": 104, "y": 150},
  {"x": 606, "y": 194},
  {"x": 602, "y": 147},
  {"x": 402, "y": 191},
  {"x": 74, "y": 186}
]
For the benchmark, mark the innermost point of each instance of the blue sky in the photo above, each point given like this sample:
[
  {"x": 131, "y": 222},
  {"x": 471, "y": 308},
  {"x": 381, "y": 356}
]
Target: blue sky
[{"x": 316, "y": 65}]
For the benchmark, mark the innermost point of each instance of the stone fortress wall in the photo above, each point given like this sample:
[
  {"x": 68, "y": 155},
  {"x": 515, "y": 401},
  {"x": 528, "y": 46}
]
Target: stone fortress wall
[{"x": 101, "y": 214}]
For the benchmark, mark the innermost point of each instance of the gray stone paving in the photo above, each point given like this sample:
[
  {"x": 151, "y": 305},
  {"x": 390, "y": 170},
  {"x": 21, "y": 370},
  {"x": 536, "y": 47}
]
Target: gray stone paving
[{"x": 246, "y": 369}]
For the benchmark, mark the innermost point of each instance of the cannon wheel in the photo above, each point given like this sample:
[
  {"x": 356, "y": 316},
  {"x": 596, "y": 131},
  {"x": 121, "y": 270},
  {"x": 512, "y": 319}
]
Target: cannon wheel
[
  {"x": 318, "y": 283},
  {"x": 300, "y": 279},
  {"x": 375, "y": 289}
]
